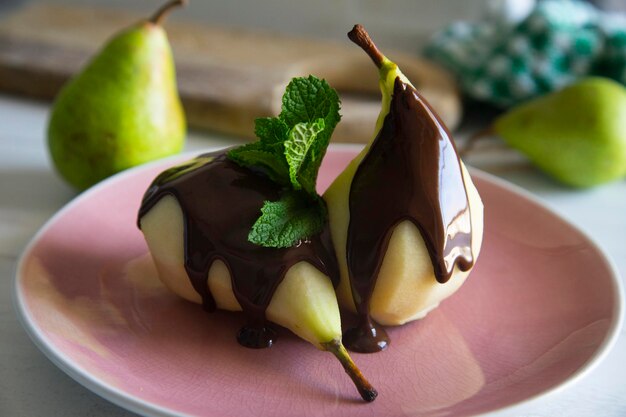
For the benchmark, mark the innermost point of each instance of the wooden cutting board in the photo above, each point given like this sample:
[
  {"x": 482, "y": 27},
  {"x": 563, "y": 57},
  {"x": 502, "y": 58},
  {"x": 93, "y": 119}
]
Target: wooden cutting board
[{"x": 226, "y": 77}]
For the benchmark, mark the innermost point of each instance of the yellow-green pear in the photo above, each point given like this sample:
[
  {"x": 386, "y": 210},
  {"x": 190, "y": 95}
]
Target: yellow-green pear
[
  {"x": 577, "y": 135},
  {"x": 122, "y": 109},
  {"x": 405, "y": 286}
]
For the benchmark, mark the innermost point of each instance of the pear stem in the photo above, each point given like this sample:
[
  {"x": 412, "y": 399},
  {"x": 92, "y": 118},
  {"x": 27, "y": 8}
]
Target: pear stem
[
  {"x": 359, "y": 35},
  {"x": 471, "y": 141},
  {"x": 160, "y": 15},
  {"x": 368, "y": 393}
]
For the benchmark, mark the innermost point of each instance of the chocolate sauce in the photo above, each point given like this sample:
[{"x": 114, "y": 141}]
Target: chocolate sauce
[
  {"x": 220, "y": 202},
  {"x": 411, "y": 172},
  {"x": 366, "y": 337}
]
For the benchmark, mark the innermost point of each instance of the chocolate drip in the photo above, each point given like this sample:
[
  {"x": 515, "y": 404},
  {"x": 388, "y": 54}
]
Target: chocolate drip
[
  {"x": 220, "y": 202},
  {"x": 411, "y": 172},
  {"x": 366, "y": 337}
]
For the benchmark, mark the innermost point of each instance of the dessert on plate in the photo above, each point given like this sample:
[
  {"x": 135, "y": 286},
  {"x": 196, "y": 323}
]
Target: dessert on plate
[{"x": 245, "y": 230}]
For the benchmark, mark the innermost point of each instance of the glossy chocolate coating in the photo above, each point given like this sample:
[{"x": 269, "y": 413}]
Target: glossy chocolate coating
[
  {"x": 220, "y": 202},
  {"x": 411, "y": 172}
]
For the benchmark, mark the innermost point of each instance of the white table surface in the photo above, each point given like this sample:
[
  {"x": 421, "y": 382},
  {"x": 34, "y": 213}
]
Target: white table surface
[{"x": 30, "y": 192}]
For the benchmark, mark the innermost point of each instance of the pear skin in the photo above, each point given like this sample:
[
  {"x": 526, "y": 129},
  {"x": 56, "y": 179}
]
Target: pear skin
[
  {"x": 577, "y": 135},
  {"x": 406, "y": 287},
  {"x": 304, "y": 302},
  {"x": 121, "y": 110}
]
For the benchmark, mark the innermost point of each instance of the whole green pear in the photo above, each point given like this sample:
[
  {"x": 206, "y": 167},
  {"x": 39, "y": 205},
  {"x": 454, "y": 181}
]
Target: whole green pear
[
  {"x": 121, "y": 110},
  {"x": 577, "y": 135}
]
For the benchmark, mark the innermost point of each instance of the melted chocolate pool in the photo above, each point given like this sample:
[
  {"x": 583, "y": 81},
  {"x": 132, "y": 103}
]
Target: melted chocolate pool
[
  {"x": 220, "y": 202},
  {"x": 411, "y": 172}
]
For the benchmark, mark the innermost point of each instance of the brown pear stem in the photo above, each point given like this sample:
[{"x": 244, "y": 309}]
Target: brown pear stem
[
  {"x": 160, "y": 15},
  {"x": 359, "y": 35},
  {"x": 471, "y": 141},
  {"x": 368, "y": 393}
]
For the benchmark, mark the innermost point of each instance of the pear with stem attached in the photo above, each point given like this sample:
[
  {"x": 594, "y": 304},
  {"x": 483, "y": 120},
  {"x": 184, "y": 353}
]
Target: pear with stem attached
[
  {"x": 304, "y": 301},
  {"x": 402, "y": 283},
  {"x": 122, "y": 109}
]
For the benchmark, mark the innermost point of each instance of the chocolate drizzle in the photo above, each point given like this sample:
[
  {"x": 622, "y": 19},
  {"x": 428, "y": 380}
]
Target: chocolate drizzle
[
  {"x": 411, "y": 172},
  {"x": 220, "y": 202}
]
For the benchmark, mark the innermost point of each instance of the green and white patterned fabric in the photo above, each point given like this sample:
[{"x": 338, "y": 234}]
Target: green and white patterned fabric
[{"x": 557, "y": 43}]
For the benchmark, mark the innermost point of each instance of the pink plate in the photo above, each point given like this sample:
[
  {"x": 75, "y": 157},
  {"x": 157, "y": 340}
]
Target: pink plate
[{"x": 542, "y": 306}]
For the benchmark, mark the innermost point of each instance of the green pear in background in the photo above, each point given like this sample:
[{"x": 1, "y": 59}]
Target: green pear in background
[
  {"x": 577, "y": 135},
  {"x": 122, "y": 109}
]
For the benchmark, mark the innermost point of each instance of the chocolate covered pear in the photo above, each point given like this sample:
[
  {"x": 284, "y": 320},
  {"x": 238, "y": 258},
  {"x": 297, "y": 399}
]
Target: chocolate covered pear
[
  {"x": 406, "y": 220},
  {"x": 244, "y": 230}
]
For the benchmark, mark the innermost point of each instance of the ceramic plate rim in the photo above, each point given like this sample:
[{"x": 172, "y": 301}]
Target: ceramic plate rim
[{"x": 146, "y": 408}]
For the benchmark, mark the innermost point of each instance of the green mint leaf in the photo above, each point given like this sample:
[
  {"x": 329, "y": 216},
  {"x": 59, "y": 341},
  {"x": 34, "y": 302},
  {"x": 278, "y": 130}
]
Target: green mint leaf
[
  {"x": 289, "y": 151},
  {"x": 297, "y": 147},
  {"x": 271, "y": 131},
  {"x": 286, "y": 222},
  {"x": 253, "y": 155},
  {"x": 266, "y": 154},
  {"x": 308, "y": 100}
]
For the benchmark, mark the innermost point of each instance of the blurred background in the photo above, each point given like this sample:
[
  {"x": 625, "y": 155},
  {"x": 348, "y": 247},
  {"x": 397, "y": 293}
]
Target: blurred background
[
  {"x": 398, "y": 23},
  {"x": 472, "y": 60},
  {"x": 402, "y": 24}
]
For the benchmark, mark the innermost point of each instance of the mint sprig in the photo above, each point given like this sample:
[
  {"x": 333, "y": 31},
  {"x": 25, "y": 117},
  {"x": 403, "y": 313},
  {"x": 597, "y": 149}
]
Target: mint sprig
[
  {"x": 289, "y": 151},
  {"x": 298, "y": 149},
  {"x": 287, "y": 221}
]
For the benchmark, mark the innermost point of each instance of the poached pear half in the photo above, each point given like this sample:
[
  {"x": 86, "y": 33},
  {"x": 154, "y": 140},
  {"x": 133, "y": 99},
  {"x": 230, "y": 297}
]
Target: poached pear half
[
  {"x": 406, "y": 219},
  {"x": 196, "y": 218}
]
